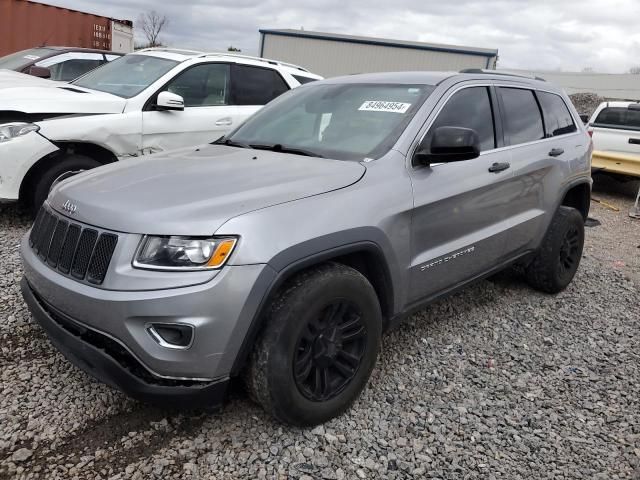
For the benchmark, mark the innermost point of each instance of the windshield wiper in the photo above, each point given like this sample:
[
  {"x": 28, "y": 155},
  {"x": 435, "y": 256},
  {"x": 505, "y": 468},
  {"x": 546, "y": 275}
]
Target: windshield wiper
[
  {"x": 230, "y": 143},
  {"x": 278, "y": 147}
]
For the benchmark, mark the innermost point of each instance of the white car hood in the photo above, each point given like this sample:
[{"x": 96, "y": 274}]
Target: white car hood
[
  {"x": 59, "y": 98},
  {"x": 11, "y": 79}
]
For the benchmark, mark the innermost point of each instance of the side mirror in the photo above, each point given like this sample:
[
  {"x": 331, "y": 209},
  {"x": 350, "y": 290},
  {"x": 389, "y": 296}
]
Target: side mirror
[
  {"x": 41, "y": 72},
  {"x": 448, "y": 144},
  {"x": 169, "y": 101}
]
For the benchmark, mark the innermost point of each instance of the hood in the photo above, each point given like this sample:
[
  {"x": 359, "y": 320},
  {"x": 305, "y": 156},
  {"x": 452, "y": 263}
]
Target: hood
[
  {"x": 194, "y": 191},
  {"x": 11, "y": 79},
  {"x": 60, "y": 98}
]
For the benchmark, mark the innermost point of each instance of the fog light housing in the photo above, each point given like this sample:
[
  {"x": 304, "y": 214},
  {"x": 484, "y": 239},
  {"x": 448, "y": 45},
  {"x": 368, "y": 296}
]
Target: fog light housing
[{"x": 178, "y": 336}]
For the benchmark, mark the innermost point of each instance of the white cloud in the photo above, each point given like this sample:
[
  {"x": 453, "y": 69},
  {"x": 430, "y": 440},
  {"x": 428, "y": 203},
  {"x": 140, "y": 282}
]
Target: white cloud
[{"x": 531, "y": 34}]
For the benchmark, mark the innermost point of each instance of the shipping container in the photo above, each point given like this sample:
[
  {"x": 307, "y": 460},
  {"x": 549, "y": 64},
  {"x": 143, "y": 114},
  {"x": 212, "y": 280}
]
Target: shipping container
[{"x": 26, "y": 24}]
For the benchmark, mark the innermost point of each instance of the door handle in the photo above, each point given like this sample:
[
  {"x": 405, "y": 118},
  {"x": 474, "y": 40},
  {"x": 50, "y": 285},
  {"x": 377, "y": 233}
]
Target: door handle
[
  {"x": 223, "y": 122},
  {"x": 634, "y": 141},
  {"x": 556, "y": 152},
  {"x": 499, "y": 167}
]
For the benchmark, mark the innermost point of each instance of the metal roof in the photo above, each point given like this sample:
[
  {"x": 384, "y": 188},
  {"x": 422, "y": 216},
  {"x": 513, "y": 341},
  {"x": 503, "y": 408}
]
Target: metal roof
[{"x": 384, "y": 42}]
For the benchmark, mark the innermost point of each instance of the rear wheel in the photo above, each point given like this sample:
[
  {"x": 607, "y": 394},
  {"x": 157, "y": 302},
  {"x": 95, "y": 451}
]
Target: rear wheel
[
  {"x": 557, "y": 260},
  {"x": 58, "y": 169},
  {"x": 318, "y": 348}
]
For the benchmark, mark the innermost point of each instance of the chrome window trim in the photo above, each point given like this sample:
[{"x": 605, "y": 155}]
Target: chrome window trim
[{"x": 453, "y": 91}]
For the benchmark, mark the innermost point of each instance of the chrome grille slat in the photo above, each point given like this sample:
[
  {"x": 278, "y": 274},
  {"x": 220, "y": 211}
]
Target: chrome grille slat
[{"x": 81, "y": 252}]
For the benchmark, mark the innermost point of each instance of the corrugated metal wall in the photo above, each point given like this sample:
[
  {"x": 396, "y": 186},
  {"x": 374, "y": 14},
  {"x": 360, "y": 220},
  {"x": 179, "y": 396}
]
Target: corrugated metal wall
[
  {"x": 330, "y": 58},
  {"x": 623, "y": 86},
  {"x": 25, "y": 24}
]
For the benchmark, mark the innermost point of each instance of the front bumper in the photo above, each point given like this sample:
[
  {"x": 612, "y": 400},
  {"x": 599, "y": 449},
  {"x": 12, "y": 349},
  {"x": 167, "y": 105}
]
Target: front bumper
[
  {"x": 96, "y": 355},
  {"x": 17, "y": 156},
  {"x": 220, "y": 310}
]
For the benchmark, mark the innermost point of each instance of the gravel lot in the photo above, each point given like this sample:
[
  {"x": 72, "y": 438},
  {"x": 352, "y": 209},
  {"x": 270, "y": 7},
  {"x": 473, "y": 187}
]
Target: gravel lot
[{"x": 496, "y": 382}]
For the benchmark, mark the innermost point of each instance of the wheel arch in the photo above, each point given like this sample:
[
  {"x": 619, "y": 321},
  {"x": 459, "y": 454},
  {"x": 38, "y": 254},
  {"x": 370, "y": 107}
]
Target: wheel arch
[
  {"x": 578, "y": 196},
  {"x": 91, "y": 150},
  {"x": 366, "y": 257}
]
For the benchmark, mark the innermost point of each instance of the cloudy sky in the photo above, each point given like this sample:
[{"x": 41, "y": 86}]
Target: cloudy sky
[{"x": 567, "y": 35}]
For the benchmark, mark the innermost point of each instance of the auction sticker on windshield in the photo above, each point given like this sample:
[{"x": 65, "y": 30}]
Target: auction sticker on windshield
[{"x": 382, "y": 106}]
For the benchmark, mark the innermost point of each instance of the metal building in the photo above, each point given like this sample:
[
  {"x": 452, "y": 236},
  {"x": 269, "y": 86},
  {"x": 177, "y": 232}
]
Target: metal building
[{"x": 330, "y": 54}]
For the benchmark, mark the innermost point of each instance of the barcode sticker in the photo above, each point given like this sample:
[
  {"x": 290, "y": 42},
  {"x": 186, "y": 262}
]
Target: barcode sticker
[{"x": 382, "y": 106}]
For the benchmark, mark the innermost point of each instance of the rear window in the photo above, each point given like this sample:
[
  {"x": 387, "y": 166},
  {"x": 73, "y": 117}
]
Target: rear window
[
  {"x": 619, "y": 117},
  {"x": 557, "y": 118}
]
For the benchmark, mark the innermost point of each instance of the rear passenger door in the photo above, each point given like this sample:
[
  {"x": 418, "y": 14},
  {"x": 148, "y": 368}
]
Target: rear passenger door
[
  {"x": 461, "y": 210},
  {"x": 541, "y": 135}
]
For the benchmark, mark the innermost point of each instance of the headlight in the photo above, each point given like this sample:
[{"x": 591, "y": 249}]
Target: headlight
[
  {"x": 9, "y": 131},
  {"x": 183, "y": 253}
]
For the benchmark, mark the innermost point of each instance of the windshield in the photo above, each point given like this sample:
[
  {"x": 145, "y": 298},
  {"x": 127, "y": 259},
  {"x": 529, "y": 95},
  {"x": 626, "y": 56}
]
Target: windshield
[
  {"x": 340, "y": 121},
  {"x": 126, "y": 76},
  {"x": 17, "y": 61}
]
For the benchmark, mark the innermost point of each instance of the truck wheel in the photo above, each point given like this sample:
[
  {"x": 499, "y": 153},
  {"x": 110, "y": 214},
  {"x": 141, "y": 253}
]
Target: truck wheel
[
  {"x": 66, "y": 165},
  {"x": 557, "y": 260},
  {"x": 318, "y": 347}
]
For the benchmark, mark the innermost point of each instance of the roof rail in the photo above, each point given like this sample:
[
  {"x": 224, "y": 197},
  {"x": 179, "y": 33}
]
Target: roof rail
[
  {"x": 500, "y": 72},
  {"x": 170, "y": 50},
  {"x": 259, "y": 59}
]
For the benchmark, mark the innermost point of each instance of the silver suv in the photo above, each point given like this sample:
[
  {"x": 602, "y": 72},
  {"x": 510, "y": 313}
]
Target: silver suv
[{"x": 281, "y": 252}]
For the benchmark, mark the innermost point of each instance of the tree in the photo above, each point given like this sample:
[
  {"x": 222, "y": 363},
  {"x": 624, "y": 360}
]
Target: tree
[
  {"x": 634, "y": 70},
  {"x": 233, "y": 49},
  {"x": 152, "y": 24}
]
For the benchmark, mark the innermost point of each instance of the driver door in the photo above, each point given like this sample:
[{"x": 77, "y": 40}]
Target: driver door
[
  {"x": 461, "y": 209},
  {"x": 207, "y": 113}
]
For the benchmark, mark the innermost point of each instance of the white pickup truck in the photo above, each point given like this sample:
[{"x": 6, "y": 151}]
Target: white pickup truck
[{"x": 615, "y": 130}]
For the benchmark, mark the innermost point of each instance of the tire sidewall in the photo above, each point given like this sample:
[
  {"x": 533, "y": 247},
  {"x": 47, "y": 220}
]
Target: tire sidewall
[
  {"x": 303, "y": 305},
  {"x": 571, "y": 219},
  {"x": 67, "y": 163}
]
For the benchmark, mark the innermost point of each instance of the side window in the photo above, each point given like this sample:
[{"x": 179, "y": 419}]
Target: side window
[
  {"x": 557, "y": 118},
  {"x": 522, "y": 119},
  {"x": 469, "y": 108},
  {"x": 69, "y": 66},
  {"x": 255, "y": 85},
  {"x": 303, "y": 80},
  {"x": 204, "y": 85}
]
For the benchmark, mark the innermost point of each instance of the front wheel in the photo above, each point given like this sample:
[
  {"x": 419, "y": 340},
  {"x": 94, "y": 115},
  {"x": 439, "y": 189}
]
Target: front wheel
[
  {"x": 319, "y": 346},
  {"x": 557, "y": 260},
  {"x": 58, "y": 169}
]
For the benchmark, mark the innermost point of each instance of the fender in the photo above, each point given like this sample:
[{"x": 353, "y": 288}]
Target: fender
[{"x": 295, "y": 259}]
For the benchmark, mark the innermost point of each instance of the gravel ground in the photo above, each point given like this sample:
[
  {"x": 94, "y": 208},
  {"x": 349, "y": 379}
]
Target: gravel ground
[{"x": 498, "y": 382}]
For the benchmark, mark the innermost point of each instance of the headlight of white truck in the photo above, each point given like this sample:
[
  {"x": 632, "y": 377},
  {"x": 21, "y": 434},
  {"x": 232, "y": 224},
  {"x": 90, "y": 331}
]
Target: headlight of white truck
[
  {"x": 9, "y": 131},
  {"x": 183, "y": 253}
]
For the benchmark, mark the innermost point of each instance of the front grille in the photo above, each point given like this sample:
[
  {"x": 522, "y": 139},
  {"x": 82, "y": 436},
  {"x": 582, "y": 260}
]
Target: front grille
[{"x": 82, "y": 252}]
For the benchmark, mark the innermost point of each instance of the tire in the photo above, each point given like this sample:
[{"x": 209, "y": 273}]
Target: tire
[
  {"x": 59, "y": 166},
  {"x": 321, "y": 318},
  {"x": 558, "y": 258}
]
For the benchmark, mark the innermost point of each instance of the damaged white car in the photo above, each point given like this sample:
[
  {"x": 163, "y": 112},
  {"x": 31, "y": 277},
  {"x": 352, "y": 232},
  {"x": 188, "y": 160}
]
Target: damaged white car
[{"x": 146, "y": 102}]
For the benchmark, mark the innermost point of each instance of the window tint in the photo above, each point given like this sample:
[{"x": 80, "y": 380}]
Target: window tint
[
  {"x": 255, "y": 85},
  {"x": 72, "y": 69},
  {"x": 522, "y": 119},
  {"x": 303, "y": 80},
  {"x": 557, "y": 118},
  {"x": 469, "y": 108},
  {"x": 202, "y": 86},
  {"x": 619, "y": 117}
]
